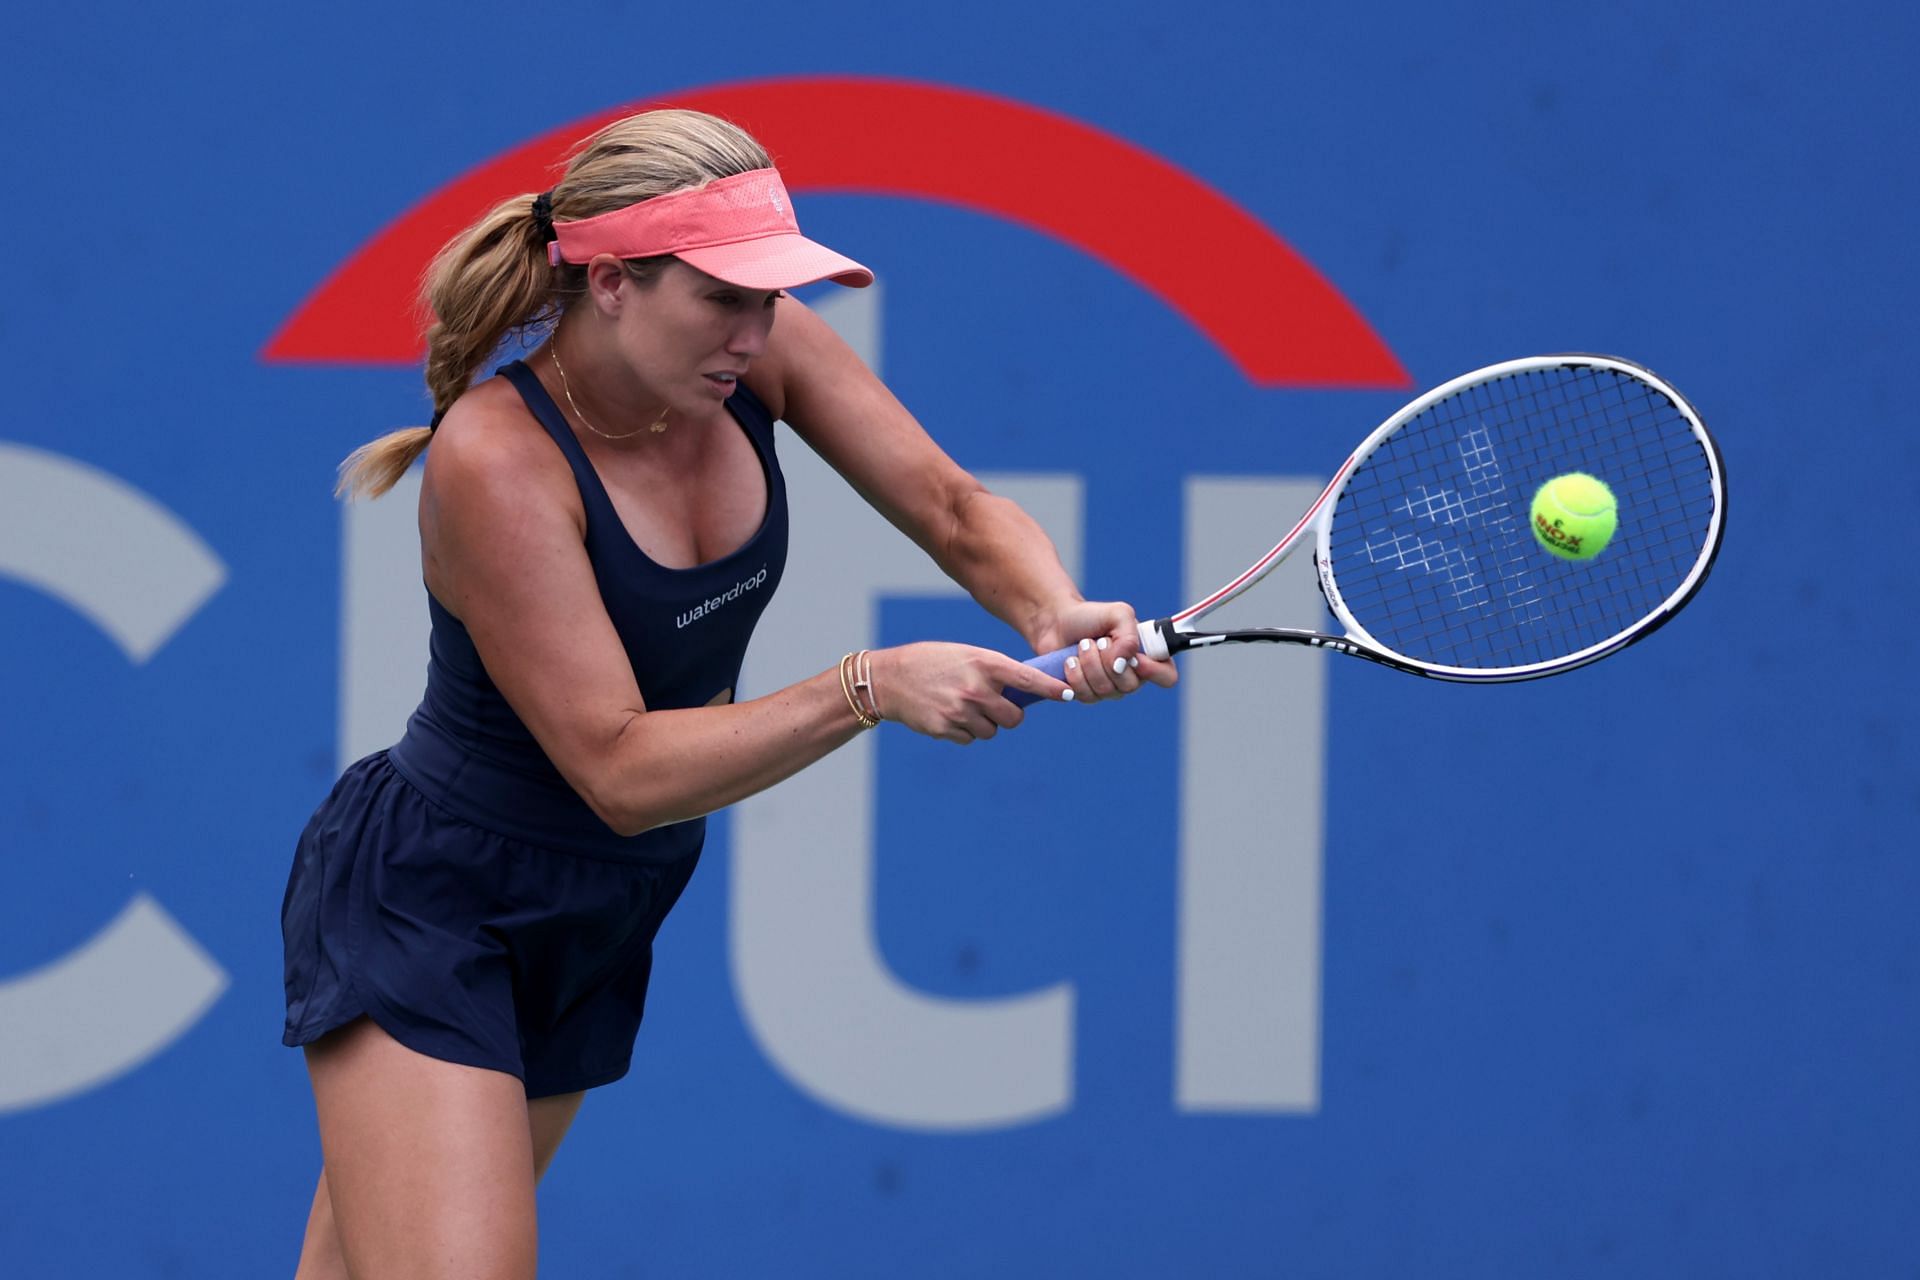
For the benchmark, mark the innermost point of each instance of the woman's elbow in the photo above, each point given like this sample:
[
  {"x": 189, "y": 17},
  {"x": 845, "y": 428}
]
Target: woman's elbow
[
  {"x": 618, "y": 790},
  {"x": 625, "y": 815}
]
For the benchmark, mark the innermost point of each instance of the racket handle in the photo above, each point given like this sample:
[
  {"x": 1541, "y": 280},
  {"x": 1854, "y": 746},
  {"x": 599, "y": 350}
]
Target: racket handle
[
  {"x": 1053, "y": 664},
  {"x": 1152, "y": 643}
]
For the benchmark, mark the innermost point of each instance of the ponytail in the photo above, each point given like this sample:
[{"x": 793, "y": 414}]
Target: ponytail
[
  {"x": 377, "y": 465},
  {"x": 487, "y": 282}
]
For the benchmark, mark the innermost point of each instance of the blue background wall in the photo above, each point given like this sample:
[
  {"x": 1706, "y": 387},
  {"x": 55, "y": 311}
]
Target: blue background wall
[{"x": 1650, "y": 1015}]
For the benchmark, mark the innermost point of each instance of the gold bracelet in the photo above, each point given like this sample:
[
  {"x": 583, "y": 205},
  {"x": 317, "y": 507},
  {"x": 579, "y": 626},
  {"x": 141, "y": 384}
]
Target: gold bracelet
[
  {"x": 863, "y": 683},
  {"x": 846, "y": 687}
]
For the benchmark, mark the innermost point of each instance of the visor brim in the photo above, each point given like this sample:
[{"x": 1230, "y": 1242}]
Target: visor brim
[{"x": 776, "y": 262}]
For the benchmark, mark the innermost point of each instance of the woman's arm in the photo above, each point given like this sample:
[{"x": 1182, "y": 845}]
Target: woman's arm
[{"x": 984, "y": 542}]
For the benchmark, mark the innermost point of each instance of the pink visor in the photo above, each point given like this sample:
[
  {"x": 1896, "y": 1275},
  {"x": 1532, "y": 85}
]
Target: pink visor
[{"x": 739, "y": 229}]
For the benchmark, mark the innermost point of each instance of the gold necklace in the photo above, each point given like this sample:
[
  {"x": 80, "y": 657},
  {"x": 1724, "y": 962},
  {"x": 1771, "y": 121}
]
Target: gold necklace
[{"x": 659, "y": 424}]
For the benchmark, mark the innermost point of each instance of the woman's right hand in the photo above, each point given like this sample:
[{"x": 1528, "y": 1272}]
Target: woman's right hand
[{"x": 954, "y": 691}]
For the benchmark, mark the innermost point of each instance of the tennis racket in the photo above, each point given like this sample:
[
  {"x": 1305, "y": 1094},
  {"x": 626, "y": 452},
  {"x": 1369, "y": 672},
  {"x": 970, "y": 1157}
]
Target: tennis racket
[{"x": 1423, "y": 539}]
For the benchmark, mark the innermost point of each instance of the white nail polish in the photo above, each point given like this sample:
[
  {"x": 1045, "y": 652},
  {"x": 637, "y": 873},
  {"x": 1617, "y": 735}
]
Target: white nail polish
[
  {"x": 1066, "y": 695},
  {"x": 1119, "y": 665},
  {"x": 1133, "y": 662},
  {"x": 1103, "y": 642},
  {"x": 1073, "y": 664},
  {"x": 1085, "y": 645}
]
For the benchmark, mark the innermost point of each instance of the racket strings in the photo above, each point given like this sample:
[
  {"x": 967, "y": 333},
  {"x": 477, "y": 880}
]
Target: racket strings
[{"x": 1431, "y": 541}]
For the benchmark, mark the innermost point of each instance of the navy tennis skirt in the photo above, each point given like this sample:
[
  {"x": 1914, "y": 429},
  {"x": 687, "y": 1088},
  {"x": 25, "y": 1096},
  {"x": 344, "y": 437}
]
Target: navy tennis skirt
[{"x": 466, "y": 945}]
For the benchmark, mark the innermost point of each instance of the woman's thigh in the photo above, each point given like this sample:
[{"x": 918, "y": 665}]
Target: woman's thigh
[{"x": 430, "y": 1164}]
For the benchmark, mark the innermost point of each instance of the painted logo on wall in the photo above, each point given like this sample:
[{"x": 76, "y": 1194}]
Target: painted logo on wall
[{"x": 136, "y": 571}]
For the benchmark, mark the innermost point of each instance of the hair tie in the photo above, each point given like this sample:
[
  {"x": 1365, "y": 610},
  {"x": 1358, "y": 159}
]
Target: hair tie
[
  {"x": 437, "y": 415},
  {"x": 543, "y": 214}
]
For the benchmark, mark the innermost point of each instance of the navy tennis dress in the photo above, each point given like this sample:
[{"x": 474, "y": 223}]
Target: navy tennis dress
[{"x": 457, "y": 890}]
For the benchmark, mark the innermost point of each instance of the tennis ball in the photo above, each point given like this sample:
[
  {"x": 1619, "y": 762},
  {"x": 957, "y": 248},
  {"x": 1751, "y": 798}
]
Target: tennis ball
[{"x": 1574, "y": 516}]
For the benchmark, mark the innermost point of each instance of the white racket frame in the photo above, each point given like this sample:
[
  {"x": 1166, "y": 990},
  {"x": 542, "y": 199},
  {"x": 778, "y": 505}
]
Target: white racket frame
[{"x": 1357, "y": 641}]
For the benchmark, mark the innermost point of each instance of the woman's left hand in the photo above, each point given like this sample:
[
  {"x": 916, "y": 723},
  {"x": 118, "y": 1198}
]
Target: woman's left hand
[{"x": 1109, "y": 663}]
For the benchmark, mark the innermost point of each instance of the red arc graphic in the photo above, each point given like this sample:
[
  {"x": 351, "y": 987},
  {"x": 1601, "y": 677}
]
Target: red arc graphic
[{"x": 1260, "y": 302}]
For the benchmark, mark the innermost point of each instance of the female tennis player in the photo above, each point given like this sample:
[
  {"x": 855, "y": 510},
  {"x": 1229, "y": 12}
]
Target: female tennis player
[{"x": 470, "y": 917}]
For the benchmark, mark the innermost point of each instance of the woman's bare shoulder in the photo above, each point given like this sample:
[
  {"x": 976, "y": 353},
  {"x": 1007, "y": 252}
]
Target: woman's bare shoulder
[
  {"x": 496, "y": 491},
  {"x": 490, "y": 447}
]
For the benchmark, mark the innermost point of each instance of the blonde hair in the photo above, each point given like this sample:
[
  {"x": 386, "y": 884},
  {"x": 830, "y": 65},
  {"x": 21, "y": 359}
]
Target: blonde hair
[{"x": 492, "y": 280}]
